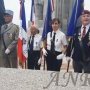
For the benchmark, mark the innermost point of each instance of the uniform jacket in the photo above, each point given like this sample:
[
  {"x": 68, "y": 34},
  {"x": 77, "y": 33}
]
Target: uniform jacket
[
  {"x": 10, "y": 36},
  {"x": 79, "y": 48}
]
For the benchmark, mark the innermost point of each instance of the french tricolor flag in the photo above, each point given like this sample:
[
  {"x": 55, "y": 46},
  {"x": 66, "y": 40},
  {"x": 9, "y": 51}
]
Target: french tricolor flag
[{"x": 22, "y": 40}]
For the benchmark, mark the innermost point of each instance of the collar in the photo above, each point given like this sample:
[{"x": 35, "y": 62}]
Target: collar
[
  {"x": 9, "y": 24},
  {"x": 56, "y": 31},
  {"x": 87, "y": 26}
]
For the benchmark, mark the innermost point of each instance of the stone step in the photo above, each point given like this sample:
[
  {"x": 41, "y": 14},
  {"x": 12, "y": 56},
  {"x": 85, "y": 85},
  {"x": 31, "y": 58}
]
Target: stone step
[{"x": 23, "y": 79}]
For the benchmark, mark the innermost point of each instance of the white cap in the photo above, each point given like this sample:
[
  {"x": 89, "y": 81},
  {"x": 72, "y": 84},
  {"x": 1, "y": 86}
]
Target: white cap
[{"x": 8, "y": 12}]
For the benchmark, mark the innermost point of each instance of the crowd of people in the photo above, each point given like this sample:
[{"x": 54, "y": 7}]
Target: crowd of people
[{"x": 53, "y": 48}]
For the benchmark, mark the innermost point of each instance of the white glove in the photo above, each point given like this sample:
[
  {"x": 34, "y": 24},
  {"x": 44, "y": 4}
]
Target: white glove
[
  {"x": 39, "y": 61},
  {"x": 7, "y": 51},
  {"x": 44, "y": 52},
  {"x": 68, "y": 58},
  {"x": 60, "y": 56}
]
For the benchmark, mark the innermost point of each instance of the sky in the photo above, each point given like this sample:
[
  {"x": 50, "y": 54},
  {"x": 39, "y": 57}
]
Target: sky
[
  {"x": 87, "y": 4},
  {"x": 15, "y": 5}
]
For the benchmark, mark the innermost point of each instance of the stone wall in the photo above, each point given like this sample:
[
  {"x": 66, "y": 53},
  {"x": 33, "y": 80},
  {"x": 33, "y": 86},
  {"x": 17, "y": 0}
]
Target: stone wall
[{"x": 18, "y": 79}]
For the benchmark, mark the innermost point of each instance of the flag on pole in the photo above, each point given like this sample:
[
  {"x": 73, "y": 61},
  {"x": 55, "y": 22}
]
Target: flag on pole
[
  {"x": 22, "y": 40},
  {"x": 2, "y": 10},
  {"x": 76, "y": 12},
  {"x": 47, "y": 23},
  {"x": 52, "y": 5},
  {"x": 32, "y": 19}
]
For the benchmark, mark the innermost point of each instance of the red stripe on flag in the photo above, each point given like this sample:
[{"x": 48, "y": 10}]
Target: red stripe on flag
[
  {"x": 21, "y": 57},
  {"x": 22, "y": 44}
]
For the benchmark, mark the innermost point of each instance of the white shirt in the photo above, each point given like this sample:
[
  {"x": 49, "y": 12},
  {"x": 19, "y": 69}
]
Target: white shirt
[
  {"x": 37, "y": 42},
  {"x": 60, "y": 40},
  {"x": 87, "y": 28}
]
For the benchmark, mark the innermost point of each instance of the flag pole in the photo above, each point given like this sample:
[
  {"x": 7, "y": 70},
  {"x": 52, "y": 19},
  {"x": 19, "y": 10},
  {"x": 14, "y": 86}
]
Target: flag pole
[{"x": 68, "y": 65}]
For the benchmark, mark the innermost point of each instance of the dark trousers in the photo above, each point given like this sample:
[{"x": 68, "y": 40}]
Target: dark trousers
[
  {"x": 81, "y": 66},
  {"x": 33, "y": 58},
  {"x": 52, "y": 63}
]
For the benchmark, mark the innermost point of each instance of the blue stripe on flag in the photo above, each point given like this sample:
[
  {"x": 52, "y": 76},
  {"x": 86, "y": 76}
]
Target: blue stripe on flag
[
  {"x": 32, "y": 11},
  {"x": 76, "y": 12},
  {"x": 23, "y": 17},
  {"x": 47, "y": 24}
]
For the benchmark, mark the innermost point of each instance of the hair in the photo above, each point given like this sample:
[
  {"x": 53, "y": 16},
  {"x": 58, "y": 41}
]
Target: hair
[
  {"x": 55, "y": 19},
  {"x": 33, "y": 27},
  {"x": 85, "y": 12}
]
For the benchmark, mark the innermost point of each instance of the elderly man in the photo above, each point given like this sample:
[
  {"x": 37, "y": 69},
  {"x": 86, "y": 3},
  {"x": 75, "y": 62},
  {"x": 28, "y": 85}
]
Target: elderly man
[
  {"x": 79, "y": 45},
  {"x": 8, "y": 41}
]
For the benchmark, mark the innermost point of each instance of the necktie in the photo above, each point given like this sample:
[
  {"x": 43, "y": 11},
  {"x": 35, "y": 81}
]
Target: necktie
[
  {"x": 6, "y": 26},
  {"x": 53, "y": 43},
  {"x": 84, "y": 32},
  {"x": 31, "y": 44}
]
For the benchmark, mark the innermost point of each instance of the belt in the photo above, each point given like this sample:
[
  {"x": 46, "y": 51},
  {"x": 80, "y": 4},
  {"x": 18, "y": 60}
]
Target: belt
[{"x": 55, "y": 52}]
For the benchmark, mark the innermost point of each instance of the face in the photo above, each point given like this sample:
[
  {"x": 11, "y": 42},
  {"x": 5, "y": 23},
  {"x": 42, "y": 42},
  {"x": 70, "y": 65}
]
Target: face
[
  {"x": 8, "y": 18},
  {"x": 85, "y": 18},
  {"x": 55, "y": 26},
  {"x": 33, "y": 30}
]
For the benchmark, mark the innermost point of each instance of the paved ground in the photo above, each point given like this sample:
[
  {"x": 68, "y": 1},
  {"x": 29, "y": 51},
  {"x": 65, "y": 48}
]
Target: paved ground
[
  {"x": 24, "y": 79},
  {"x": 18, "y": 79}
]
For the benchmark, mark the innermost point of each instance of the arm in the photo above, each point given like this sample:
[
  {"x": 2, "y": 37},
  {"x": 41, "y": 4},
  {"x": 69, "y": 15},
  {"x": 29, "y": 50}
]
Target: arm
[
  {"x": 70, "y": 47},
  {"x": 14, "y": 42}
]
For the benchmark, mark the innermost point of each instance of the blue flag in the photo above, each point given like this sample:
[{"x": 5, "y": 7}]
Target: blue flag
[
  {"x": 2, "y": 9},
  {"x": 76, "y": 12},
  {"x": 32, "y": 18},
  {"x": 22, "y": 15},
  {"x": 47, "y": 24}
]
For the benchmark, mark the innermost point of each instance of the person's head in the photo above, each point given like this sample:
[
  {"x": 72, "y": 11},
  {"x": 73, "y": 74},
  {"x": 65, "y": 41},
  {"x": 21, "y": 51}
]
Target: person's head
[
  {"x": 8, "y": 16},
  {"x": 85, "y": 17},
  {"x": 56, "y": 24},
  {"x": 33, "y": 30}
]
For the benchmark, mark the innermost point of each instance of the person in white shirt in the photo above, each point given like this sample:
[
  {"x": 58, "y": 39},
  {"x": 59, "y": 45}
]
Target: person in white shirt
[
  {"x": 56, "y": 45},
  {"x": 34, "y": 47}
]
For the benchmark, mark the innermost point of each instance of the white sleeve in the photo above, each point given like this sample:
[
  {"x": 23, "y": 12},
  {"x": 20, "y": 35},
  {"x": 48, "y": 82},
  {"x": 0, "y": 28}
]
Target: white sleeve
[{"x": 64, "y": 40}]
